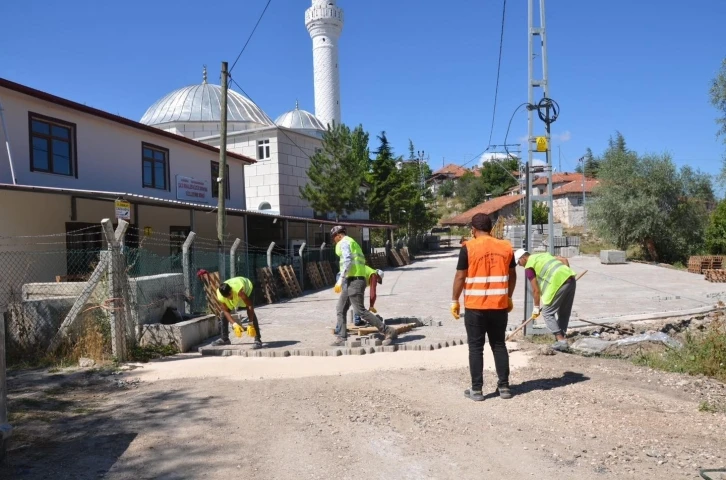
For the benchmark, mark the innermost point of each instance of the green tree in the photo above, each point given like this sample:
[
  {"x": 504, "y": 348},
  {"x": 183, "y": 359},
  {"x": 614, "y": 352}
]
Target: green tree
[
  {"x": 716, "y": 231},
  {"x": 717, "y": 94},
  {"x": 359, "y": 143},
  {"x": 411, "y": 150},
  {"x": 336, "y": 173},
  {"x": 447, "y": 189},
  {"x": 540, "y": 213},
  {"x": 646, "y": 201},
  {"x": 384, "y": 178}
]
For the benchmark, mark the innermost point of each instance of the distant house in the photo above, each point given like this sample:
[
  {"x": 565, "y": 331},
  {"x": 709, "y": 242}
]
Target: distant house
[
  {"x": 506, "y": 205},
  {"x": 568, "y": 207},
  {"x": 539, "y": 185},
  {"x": 449, "y": 172}
]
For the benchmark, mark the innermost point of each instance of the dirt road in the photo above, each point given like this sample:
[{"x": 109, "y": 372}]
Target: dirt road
[{"x": 384, "y": 416}]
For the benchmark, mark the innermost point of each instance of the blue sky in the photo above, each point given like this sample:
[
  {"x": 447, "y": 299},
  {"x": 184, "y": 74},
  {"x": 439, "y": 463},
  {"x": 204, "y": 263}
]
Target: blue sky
[{"x": 419, "y": 69}]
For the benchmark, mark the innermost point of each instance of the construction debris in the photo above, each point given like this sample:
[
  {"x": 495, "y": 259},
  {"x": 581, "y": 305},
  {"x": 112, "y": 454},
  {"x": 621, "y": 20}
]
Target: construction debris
[{"x": 594, "y": 345}]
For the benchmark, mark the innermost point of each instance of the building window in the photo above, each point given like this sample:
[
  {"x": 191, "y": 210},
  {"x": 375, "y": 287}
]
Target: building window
[
  {"x": 578, "y": 201},
  {"x": 265, "y": 206},
  {"x": 52, "y": 146},
  {"x": 155, "y": 166},
  {"x": 215, "y": 183},
  {"x": 263, "y": 149}
]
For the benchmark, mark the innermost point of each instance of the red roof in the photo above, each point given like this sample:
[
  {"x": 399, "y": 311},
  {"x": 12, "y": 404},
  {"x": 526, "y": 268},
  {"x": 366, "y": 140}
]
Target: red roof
[
  {"x": 451, "y": 170},
  {"x": 575, "y": 187},
  {"x": 488, "y": 208},
  {"x": 114, "y": 118},
  {"x": 559, "y": 178}
]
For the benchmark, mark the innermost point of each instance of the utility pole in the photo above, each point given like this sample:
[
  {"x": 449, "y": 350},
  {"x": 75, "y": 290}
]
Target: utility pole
[
  {"x": 221, "y": 212},
  {"x": 548, "y": 116}
]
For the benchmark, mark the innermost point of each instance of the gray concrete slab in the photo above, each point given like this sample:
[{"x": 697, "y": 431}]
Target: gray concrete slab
[{"x": 423, "y": 289}]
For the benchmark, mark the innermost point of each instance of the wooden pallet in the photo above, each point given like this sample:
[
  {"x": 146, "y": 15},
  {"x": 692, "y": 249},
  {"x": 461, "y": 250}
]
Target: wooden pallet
[
  {"x": 327, "y": 272},
  {"x": 289, "y": 281},
  {"x": 211, "y": 284},
  {"x": 405, "y": 255},
  {"x": 314, "y": 275},
  {"x": 267, "y": 284},
  {"x": 396, "y": 259},
  {"x": 699, "y": 264},
  {"x": 378, "y": 261},
  {"x": 715, "y": 276}
]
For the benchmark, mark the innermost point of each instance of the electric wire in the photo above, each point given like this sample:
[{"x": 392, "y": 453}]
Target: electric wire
[
  {"x": 499, "y": 69},
  {"x": 250, "y": 37}
]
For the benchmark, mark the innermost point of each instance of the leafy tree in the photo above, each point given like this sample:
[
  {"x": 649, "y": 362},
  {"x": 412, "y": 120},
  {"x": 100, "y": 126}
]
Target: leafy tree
[
  {"x": 471, "y": 190},
  {"x": 447, "y": 189},
  {"x": 336, "y": 172},
  {"x": 540, "y": 213},
  {"x": 411, "y": 150},
  {"x": 716, "y": 231},
  {"x": 359, "y": 143},
  {"x": 717, "y": 94},
  {"x": 495, "y": 178},
  {"x": 645, "y": 200}
]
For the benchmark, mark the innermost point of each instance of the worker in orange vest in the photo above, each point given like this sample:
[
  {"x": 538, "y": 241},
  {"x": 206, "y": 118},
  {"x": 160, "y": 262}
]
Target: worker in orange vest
[{"x": 487, "y": 269}]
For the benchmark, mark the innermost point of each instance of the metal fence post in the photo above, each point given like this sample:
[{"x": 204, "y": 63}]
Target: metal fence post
[
  {"x": 187, "y": 271},
  {"x": 302, "y": 266},
  {"x": 269, "y": 255},
  {"x": 115, "y": 287},
  {"x": 5, "y": 428},
  {"x": 233, "y": 258}
]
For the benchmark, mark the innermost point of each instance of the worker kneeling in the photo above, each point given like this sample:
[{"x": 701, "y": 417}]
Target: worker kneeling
[
  {"x": 553, "y": 291},
  {"x": 351, "y": 285},
  {"x": 232, "y": 294},
  {"x": 487, "y": 269}
]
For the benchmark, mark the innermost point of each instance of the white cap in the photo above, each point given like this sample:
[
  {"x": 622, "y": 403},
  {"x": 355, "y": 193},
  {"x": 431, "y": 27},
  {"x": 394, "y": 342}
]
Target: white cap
[
  {"x": 380, "y": 275},
  {"x": 518, "y": 254}
]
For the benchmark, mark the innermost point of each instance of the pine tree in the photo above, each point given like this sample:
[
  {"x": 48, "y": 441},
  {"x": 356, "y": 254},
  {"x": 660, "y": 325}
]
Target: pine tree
[
  {"x": 383, "y": 179},
  {"x": 336, "y": 173}
]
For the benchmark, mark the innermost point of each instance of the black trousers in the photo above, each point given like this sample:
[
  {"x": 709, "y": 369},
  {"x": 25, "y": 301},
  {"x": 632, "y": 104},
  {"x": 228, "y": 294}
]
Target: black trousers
[
  {"x": 225, "y": 327},
  {"x": 493, "y": 324}
]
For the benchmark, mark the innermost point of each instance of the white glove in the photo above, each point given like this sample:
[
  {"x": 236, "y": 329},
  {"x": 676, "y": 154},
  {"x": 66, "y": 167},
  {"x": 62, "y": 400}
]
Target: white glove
[{"x": 535, "y": 312}]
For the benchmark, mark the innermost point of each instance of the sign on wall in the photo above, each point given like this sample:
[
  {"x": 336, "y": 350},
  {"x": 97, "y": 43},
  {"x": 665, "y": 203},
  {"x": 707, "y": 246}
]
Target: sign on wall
[
  {"x": 123, "y": 209},
  {"x": 366, "y": 234},
  {"x": 192, "y": 190}
]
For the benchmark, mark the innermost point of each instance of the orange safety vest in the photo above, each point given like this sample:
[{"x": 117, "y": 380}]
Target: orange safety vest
[{"x": 487, "y": 279}]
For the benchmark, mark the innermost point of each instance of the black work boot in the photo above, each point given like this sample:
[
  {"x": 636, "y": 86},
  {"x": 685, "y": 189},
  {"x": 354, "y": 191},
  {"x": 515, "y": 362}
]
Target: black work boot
[
  {"x": 475, "y": 395},
  {"x": 504, "y": 392}
]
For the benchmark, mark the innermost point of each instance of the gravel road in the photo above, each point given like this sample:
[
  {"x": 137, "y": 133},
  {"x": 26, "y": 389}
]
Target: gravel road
[{"x": 571, "y": 418}]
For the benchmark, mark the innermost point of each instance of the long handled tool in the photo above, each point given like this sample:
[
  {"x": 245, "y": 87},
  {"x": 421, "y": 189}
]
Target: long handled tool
[{"x": 519, "y": 328}]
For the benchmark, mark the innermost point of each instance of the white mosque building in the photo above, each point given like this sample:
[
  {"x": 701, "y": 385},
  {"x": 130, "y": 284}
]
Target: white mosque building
[{"x": 282, "y": 148}]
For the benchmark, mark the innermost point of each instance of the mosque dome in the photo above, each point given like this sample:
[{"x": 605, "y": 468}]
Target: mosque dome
[
  {"x": 202, "y": 103},
  {"x": 300, "y": 120}
]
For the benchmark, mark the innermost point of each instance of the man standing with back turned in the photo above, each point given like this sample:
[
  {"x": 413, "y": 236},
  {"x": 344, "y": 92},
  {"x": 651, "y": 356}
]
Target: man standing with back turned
[
  {"x": 487, "y": 268},
  {"x": 351, "y": 286}
]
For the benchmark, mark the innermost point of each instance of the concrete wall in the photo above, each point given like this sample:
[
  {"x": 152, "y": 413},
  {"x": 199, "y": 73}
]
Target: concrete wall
[
  {"x": 568, "y": 210},
  {"x": 108, "y": 153}
]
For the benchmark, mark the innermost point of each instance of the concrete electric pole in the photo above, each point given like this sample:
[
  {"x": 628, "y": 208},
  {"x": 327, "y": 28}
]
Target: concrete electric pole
[
  {"x": 547, "y": 111},
  {"x": 221, "y": 218}
]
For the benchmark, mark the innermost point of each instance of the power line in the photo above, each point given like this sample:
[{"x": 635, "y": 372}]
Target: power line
[
  {"x": 525, "y": 104},
  {"x": 255, "y": 103},
  {"x": 250, "y": 37},
  {"x": 499, "y": 69}
]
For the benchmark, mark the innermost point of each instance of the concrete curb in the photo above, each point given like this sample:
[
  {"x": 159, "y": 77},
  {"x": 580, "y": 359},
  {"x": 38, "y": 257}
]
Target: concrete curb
[
  {"x": 327, "y": 352},
  {"x": 646, "y": 316}
]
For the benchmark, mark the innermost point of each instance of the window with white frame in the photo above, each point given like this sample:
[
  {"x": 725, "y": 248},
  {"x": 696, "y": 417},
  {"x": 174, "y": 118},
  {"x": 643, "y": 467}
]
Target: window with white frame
[{"x": 263, "y": 149}]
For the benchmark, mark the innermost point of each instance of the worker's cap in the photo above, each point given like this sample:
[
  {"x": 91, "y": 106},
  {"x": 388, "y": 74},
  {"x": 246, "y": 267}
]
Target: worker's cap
[
  {"x": 336, "y": 230},
  {"x": 379, "y": 274},
  {"x": 519, "y": 254}
]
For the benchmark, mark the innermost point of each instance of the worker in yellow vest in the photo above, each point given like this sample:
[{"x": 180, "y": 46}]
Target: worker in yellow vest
[
  {"x": 232, "y": 294},
  {"x": 553, "y": 291},
  {"x": 351, "y": 286},
  {"x": 373, "y": 279}
]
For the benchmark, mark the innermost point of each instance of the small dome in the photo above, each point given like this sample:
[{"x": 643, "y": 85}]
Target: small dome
[
  {"x": 300, "y": 120},
  {"x": 202, "y": 103}
]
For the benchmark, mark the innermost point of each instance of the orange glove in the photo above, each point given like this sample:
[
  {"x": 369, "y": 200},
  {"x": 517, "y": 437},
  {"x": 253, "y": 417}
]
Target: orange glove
[
  {"x": 510, "y": 305},
  {"x": 455, "y": 308}
]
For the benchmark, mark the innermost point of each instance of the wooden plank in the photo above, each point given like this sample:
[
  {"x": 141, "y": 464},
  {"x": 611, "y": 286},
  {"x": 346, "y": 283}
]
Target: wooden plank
[
  {"x": 405, "y": 256},
  {"x": 397, "y": 260}
]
